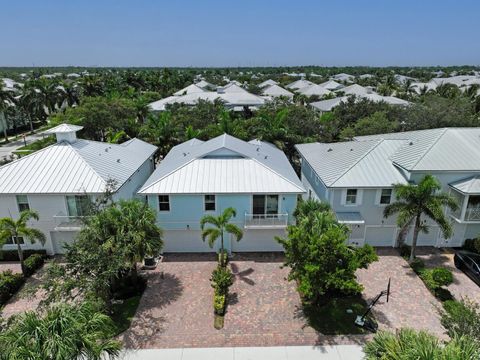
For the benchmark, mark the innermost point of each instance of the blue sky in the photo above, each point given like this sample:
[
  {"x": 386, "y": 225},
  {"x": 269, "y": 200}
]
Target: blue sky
[{"x": 239, "y": 33}]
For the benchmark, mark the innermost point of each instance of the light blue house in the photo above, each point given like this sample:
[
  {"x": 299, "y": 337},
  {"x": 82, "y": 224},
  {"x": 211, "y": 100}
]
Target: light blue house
[
  {"x": 356, "y": 179},
  {"x": 198, "y": 178}
]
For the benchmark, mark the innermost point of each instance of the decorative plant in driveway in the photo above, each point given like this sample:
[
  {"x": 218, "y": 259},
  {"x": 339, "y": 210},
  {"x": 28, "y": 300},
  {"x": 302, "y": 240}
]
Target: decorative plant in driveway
[
  {"x": 219, "y": 225},
  {"x": 422, "y": 200}
]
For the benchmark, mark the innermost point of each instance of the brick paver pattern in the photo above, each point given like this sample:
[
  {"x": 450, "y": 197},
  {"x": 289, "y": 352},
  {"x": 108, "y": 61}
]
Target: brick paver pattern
[
  {"x": 462, "y": 286},
  {"x": 410, "y": 304},
  {"x": 263, "y": 309}
]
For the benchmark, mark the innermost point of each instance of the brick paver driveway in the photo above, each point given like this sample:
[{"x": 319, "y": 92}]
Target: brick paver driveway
[
  {"x": 410, "y": 305},
  {"x": 462, "y": 285},
  {"x": 176, "y": 310}
]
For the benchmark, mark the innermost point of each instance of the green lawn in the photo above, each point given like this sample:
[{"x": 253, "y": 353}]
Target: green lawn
[
  {"x": 333, "y": 319},
  {"x": 39, "y": 144},
  {"x": 123, "y": 313}
]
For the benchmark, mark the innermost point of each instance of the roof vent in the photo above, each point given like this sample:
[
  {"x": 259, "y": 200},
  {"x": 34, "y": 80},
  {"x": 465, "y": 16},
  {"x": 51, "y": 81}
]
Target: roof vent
[
  {"x": 330, "y": 149},
  {"x": 184, "y": 154},
  {"x": 118, "y": 160},
  {"x": 106, "y": 149},
  {"x": 266, "y": 156},
  {"x": 410, "y": 143},
  {"x": 351, "y": 149}
]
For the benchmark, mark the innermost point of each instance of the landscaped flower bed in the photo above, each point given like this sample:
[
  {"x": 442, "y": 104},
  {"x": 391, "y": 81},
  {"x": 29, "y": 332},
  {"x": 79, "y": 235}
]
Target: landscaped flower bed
[{"x": 222, "y": 279}]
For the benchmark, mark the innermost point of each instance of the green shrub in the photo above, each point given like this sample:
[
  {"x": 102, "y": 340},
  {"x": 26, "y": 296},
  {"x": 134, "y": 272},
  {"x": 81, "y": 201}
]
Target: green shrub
[
  {"x": 435, "y": 278},
  {"x": 405, "y": 251},
  {"x": 462, "y": 318},
  {"x": 417, "y": 265},
  {"x": 12, "y": 255},
  {"x": 219, "y": 304},
  {"x": 33, "y": 263},
  {"x": 222, "y": 279},
  {"x": 472, "y": 245},
  {"x": 9, "y": 285}
]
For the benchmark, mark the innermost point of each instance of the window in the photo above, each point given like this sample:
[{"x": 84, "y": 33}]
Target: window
[
  {"x": 265, "y": 204},
  {"x": 209, "y": 202},
  {"x": 11, "y": 241},
  {"x": 164, "y": 202},
  {"x": 78, "y": 205},
  {"x": 386, "y": 196},
  {"x": 351, "y": 198},
  {"x": 22, "y": 202}
]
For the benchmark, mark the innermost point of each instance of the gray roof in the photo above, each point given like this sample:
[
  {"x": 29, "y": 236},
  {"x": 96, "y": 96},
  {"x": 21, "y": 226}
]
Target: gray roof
[
  {"x": 64, "y": 128},
  {"x": 299, "y": 84},
  {"x": 78, "y": 167},
  {"x": 203, "y": 167},
  {"x": 354, "y": 163},
  {"x": 276, "y": 91},
  {"x": 445, "y": 149},
  {"x": 468, "y": 186}
]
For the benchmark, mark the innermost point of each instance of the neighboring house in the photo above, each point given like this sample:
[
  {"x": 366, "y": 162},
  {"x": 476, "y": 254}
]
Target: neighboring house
[
  {"x": 268, "y": 82},
  {"x": 276, "y": 91},
  {"x": 328, "y": 105},
  {"x": 60, "y": 181},
  {"x": 343, "y": 77},
  {"x": 299, "y": 84},
  {"x": 198, "y": 178},
  {"x": 356, "y": 178},
  {"x": 313, "y": 90}
]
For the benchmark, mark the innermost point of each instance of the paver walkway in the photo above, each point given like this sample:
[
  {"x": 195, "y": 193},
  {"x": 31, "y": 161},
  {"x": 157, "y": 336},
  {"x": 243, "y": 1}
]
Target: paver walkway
[
  {"x": 335, "y": 352},
  {"x": 264, "y": 308},
  {"x": 410, "y": 304},
  {"x": 462, "y": 285}
]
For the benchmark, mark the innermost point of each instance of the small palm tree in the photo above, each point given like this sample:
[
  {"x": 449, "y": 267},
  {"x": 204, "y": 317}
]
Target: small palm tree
[
  {"x": 65, "y": 332},
  {"x": 221, "y": 224},
  {"x": 11, "y": 229},
  {"x": 414, "y": 201}
]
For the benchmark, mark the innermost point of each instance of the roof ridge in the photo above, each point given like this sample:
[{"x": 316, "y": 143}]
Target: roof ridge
[
  {"x": 356, "y": 162},
  {"x": 444, "y": 131},
  {"x": 86, "y": 162},
  {"x": 276, "y": 173}
]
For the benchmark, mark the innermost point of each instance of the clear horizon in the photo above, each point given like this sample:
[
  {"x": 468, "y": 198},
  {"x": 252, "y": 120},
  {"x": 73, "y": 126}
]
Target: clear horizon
[{"x": 213, "y": 33}]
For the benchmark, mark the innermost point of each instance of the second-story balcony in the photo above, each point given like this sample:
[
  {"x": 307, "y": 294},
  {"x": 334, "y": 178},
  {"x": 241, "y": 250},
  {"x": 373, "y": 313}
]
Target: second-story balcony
[
  {"x": 472, "y": 214},
  {"x": 68, "y": 223},
  {"x": 265, "y": 221}
]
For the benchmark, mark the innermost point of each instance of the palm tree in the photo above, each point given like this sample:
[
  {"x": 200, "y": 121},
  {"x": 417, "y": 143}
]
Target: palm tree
[
  {"x": 221, "y": 224},
  {"x": 6, "y": 100},
  {"x": 11, "y": 229},
  {"x": 65, "y": 332},
  {"x": 415, "y": 201}
]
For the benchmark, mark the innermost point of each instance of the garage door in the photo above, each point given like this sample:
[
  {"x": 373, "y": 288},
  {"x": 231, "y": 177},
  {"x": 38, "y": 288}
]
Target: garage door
[
  {"x": 258, "y": 240},
  {"x": 60, "y": 238},
  {"x": 429, "y": 239},
  {"x": 380, "y": 236},
  {"x": 186, "y": 241}
]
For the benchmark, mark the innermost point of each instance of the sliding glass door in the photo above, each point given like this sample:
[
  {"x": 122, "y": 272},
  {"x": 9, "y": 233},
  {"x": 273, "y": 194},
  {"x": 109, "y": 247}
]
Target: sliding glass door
[{"x": 265, "y": 206}]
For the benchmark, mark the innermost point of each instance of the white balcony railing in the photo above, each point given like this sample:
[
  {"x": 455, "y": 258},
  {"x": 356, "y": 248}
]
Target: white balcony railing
[
  {"x": 472, "y": 214},
  {"x": 68, "y": 223},
  {"x": 266, "y": 220}
]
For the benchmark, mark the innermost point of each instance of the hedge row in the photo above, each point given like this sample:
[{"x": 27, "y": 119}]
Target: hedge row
[{"x": 9, "y": 285}]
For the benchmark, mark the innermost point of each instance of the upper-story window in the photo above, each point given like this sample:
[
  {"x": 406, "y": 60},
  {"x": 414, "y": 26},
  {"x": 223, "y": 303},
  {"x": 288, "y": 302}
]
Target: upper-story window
[
  {"x": 265, "y": 204},
  {"x": 78, "y": 205},
  {"x": 386, "y": 196},
  {"x": 22, "y": 202},
  {"x": 351, "y": 197},
  {"x": 209, "y": 202},
  {"x": 164, "y": 202}
]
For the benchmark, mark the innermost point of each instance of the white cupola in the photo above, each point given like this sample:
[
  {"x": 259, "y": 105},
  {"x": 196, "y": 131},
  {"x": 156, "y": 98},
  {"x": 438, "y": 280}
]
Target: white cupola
[{"x": 65, "y": 132}]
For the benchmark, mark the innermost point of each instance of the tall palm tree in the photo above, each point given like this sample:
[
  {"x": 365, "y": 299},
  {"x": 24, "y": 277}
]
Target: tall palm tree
[
  {"x": 221, "y": 224},
  {"x": 16, "y": 229},
  {"x": 65, "y": 332},
  {"x": 416, "y": 201},
  {"x": 6, "y": 100}
]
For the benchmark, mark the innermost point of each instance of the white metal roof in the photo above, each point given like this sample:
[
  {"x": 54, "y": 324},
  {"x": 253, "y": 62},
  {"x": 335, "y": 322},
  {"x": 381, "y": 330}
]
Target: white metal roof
[
  {"x": 445, "y": 149},
  {"x": 299, "y": 84},
  {"x": 468, "y": 186},
  {"x": 276, "y": 91},
  {"x": 331, "y": 85},
  {"x": 355, "y": 89},
  {"x": 224, "y": 164},
  {"x": 205, "y": 84},
  {"x": 354, "y": 163},
  {"x": 314, "y": 90},
  {"x": 329, "y": 104},
  {"x": 64, "y": 128},
  {"x": 267, "y": 83},
  {"x": 78, "y": 167},
  {"x": 190, "y": 89}
]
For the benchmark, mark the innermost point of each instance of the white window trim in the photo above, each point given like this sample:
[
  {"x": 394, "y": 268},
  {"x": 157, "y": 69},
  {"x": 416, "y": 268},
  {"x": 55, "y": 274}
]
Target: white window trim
[
  {"x": 18, "y": 204},
  {"x": 204, "y": 204},
  {"x": 280, "y": 202},
  {"x": 378, "y": 196},
  {"x": 169, "y": 204},
  {"x": 358, "y": 199}
]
